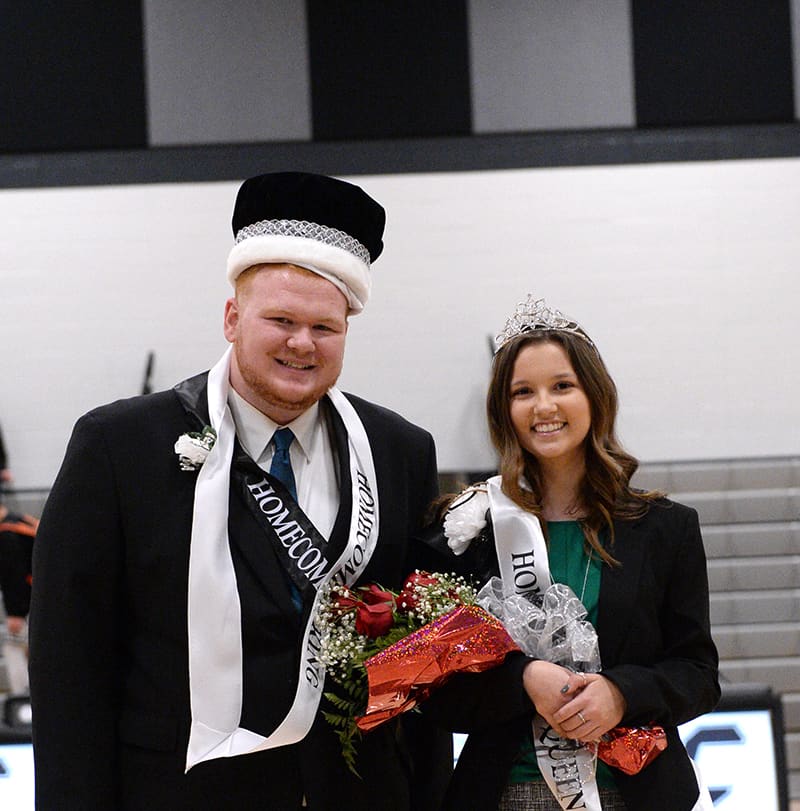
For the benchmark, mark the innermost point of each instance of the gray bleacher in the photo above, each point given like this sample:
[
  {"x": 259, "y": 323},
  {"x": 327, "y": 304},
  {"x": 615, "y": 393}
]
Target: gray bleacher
[{"x": 750, "y": 513}]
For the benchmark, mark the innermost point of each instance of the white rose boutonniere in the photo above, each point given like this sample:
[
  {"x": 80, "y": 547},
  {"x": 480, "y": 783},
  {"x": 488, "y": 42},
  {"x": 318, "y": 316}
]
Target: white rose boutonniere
[
  {"x": 465, "y": 519},
  {"x": 193, "y": 447}
]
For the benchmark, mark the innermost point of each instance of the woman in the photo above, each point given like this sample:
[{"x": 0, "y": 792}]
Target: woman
[{"x": 563, "y": 510}]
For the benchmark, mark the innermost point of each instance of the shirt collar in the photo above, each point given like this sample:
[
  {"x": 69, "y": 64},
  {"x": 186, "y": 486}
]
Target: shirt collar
[{"x": 254, "y": 429}]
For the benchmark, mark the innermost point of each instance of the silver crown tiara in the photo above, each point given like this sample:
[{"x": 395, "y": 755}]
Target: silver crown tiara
[
  {"x": 309, "y": 230},
  {"x": 533, "y": 315}
]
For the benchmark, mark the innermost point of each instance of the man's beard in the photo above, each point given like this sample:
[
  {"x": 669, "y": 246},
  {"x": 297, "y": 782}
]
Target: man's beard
[{"x": 268, "y": 394}]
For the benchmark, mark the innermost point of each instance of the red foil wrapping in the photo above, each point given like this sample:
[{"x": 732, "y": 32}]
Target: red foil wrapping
[
  {"x": 630, "y": 749},
  {"x": 465, "y": 640}
]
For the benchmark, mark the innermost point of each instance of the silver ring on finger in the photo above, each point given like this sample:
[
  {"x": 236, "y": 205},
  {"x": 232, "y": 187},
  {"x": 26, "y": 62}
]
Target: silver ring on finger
[{"x": 580, "y": 715}]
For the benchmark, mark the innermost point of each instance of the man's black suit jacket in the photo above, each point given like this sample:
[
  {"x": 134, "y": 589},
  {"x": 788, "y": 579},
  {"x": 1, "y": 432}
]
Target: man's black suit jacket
[{"x": 109, "y": 661}]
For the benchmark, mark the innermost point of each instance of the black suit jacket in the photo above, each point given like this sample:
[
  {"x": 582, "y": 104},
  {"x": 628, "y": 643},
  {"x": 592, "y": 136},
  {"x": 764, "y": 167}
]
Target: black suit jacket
[
  {"x": 655, "y": 645},
  {"x": 109, "y": 661}
]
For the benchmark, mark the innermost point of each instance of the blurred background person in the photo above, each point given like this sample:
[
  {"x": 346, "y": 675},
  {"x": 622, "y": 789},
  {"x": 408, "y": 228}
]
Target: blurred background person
[{"x": 17, "y": 532}]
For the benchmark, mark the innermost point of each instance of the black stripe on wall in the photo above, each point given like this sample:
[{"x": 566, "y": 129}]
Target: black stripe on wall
[
  {"x": 381, "y": 70},
  {"x": 73, "y": 76},
  {"x": 203, "y": 164},
  {"x": 712, "y": 62}
]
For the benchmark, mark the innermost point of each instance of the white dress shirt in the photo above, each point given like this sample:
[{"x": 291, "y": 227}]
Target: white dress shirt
[{"x": 311, "y": 453}]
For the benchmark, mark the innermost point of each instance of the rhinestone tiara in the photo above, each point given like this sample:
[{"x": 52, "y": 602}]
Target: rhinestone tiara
[
  {"x": 309, "y": 230},
  {"x": 534, "y": 315}
]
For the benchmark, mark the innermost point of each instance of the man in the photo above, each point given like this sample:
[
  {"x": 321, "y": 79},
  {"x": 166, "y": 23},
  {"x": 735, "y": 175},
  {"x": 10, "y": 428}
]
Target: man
[{"x": 172, "y": 620}]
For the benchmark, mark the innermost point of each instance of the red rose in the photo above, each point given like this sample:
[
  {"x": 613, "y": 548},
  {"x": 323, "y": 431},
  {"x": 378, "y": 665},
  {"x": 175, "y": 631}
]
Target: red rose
[
  {"x": 374, "y": 595},
  {"x": 374, "y": 620},
  {"x": 407, "y": 599}
]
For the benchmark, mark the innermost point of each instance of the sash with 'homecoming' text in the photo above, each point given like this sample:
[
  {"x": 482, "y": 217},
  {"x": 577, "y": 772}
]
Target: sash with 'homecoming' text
[
  {"x": 214, "y": 611},
  {"x": 567, "y": 769}
]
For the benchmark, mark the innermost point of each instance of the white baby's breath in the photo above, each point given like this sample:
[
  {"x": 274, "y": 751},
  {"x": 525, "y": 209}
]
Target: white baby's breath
[
  {"x": 340, "y": 643},
  {"x": 432, "y": 600}
]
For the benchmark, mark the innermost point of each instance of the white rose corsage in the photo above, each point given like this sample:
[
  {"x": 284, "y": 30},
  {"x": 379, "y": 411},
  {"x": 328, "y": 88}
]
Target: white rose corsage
[
  {"x": 465, "y": 519},
  {"x": 193, "y": 447}
]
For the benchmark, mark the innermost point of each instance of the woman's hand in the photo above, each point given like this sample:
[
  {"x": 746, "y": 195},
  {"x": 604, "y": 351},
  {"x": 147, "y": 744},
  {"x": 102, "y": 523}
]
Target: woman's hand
[
  {"x": 549, "y": 686},
  {"x": 591, "y": 709}
]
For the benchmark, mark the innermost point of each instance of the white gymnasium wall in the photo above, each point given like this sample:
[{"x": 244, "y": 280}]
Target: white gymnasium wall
[{"x": 684, "y": 274}]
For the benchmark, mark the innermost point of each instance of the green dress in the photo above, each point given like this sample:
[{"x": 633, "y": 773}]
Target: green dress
[{"x": 569, "y": 564}]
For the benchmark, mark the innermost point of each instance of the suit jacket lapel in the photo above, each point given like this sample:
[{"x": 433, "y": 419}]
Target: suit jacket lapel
[
  {"x": 619, "y": 588},
  {"x": 193, "y": 396},
  {"x": 341, "y": 527}
]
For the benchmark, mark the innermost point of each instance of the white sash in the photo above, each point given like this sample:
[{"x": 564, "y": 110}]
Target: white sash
[
  {"x": 521, "y": 547},
  {"x": 524, "y": 569},
  {"x": 214, "y": 612}
]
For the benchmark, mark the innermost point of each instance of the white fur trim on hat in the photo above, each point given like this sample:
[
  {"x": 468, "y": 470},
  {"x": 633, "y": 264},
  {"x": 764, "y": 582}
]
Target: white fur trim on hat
[{"x": 349, "y": 273}]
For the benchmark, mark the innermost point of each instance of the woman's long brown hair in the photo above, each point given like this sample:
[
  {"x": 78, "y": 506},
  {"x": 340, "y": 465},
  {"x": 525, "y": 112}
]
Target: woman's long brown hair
[{"x": 605, "y": 492}]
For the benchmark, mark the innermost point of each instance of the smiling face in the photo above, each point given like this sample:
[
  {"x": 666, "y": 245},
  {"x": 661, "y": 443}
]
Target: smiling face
[
  {"x": 288, "y": 328},
  {"x": 549, "y": 409}
]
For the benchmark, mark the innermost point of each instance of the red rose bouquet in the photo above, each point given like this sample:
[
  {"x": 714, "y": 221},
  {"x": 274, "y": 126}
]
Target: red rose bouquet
[{"x": 386, "y": 652}]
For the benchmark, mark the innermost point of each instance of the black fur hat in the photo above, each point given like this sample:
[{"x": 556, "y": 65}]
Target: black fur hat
[{"x": 329, "y": 226}]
